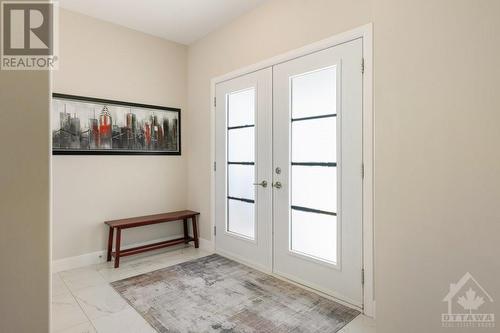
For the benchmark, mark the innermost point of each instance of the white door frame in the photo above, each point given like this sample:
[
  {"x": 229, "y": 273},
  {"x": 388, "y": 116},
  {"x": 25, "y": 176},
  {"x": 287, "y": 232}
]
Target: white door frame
[{"x": 365, "y": 32}]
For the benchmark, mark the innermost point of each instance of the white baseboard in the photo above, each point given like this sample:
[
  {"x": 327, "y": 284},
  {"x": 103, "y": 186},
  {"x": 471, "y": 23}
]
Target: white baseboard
[
  {"x": 82, "y": 260},
  {"x": 99, "y": 257}
]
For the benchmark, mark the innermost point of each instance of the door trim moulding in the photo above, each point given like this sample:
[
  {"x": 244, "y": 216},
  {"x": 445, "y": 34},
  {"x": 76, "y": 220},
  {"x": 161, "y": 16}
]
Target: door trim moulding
[{"x": 366, "y": 33}]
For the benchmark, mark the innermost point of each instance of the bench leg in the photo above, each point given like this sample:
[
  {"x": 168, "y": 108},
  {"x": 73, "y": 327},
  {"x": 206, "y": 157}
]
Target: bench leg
[
  {"x": 186, "y": 235},
  {"x": 195, "y": 232},
  {"x": 110, "y": 243},
  {"x": 117, "y": 249}
]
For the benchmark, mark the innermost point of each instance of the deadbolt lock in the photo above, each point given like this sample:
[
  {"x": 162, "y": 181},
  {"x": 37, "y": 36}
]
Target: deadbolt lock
[{"x": 277, "y": 185}]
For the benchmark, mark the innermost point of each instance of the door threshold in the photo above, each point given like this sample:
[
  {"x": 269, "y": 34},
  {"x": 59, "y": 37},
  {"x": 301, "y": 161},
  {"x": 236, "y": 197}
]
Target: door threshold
[
  {"x": 317, "y": 291},
  {"x": 256, "y": 266}
]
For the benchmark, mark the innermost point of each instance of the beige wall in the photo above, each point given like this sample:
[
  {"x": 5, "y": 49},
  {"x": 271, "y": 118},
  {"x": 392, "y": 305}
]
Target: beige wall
[
  {"x": 24, "y": 201},
  {"x": 437, "y": 164},
  {"x": 437, "y": 160},
  {"x": 104, "y": 60}
]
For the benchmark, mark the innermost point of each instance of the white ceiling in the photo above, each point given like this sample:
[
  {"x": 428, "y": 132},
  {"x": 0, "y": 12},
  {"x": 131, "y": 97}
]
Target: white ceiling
[{"x": 182, "y": 21}]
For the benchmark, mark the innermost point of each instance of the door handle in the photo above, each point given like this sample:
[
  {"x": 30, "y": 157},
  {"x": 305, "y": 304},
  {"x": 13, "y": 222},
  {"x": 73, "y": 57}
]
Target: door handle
[
  {"x": 277, "y": 185},
  {"x": 262, "y": 183}
]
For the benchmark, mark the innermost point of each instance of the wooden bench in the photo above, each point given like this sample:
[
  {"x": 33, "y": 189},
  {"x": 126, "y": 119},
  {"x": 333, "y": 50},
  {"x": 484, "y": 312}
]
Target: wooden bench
[{"x": 140, "y": 221}]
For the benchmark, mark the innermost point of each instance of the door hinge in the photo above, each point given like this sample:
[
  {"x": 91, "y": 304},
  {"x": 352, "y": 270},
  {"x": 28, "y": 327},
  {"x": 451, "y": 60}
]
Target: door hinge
[
  {"x": 362, "y": 170},
  {"x": 215, "y": 231},
  {"x": 215, "y": 166},
  {"x": 362, "y": 276},
  {"x": 215, "y": 101},
  {"x": 362, "y": 65}
]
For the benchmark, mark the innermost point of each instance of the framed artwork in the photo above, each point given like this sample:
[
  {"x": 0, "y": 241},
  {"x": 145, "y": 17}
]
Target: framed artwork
[{"x": 93, "y": 126}]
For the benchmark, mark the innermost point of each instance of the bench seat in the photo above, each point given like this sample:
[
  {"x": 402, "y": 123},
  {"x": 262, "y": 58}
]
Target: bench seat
[{"x": 133, "y": 222}]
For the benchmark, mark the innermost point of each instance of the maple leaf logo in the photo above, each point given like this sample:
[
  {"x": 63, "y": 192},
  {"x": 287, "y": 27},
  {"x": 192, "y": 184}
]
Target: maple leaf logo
[{"x": 471, "y": 301}]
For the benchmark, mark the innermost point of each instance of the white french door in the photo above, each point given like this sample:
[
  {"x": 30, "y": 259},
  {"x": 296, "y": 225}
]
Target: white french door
[
  {"x": 244, "y": 168},
  {"x": 288, "y": 175},
  {"x": 318, "y": 161}
]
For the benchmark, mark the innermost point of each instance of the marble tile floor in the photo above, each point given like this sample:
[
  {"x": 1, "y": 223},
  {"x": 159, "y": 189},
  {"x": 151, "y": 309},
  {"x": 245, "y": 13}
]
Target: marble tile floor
[{"x": 84, "y": 302}]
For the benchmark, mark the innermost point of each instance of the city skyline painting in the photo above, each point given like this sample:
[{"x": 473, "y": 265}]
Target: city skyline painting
[{"x": 84, "y": 125}]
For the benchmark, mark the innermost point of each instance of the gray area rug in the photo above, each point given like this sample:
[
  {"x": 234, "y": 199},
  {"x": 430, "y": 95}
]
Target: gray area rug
[{"x": 215, "y": 294}]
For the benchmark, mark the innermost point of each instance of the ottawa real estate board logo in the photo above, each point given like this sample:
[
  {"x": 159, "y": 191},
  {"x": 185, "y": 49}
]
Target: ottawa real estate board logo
[
  {"x": 28, "y": 36},
  {"x": 469, "y": 305}
]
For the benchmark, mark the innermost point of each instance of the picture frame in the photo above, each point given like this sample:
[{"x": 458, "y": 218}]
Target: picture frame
[{"x": 94, "y": 126}]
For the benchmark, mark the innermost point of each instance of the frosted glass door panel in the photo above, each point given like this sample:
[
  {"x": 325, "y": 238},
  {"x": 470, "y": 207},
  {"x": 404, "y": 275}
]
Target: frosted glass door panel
[
  {"x": 241, "y": 162},
  {"x": 314, "y": 140},
  {"x": 313, "y": 164},
  {"x": 241, "y": 106},
  {"x": 314, "y": 93},
  {"x": 240, "y": 181},
  {"x": 314, "y": 187},
  {"x": 241, "y": 217},
  {"x": 307, "y": 229},
  {"x": 241, "y": 145}
]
